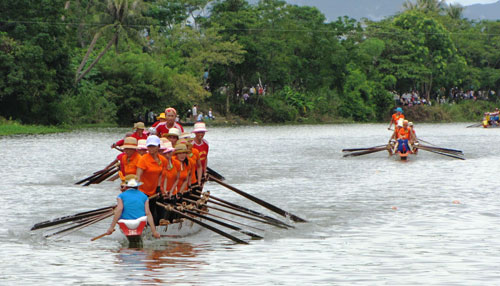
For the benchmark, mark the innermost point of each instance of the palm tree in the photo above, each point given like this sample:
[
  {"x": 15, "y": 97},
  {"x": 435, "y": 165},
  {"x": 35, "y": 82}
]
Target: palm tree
[
  {"x": 455, "y": 11},
  {"x": 118, "y": 15},
  {"x": 435, "y": 6}
]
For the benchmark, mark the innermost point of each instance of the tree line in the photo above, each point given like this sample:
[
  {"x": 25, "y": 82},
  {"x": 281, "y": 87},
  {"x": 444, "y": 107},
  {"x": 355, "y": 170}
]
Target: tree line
[{"x": 85, "y": 61}]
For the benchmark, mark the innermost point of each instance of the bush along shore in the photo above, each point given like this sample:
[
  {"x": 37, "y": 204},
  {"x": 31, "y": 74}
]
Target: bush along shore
[
  {"x": 466, "y": 111},
  {"x": 9, "y": 127}
]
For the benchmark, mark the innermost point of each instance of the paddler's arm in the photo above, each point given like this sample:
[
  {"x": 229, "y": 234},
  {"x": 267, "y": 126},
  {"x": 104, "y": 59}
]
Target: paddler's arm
[
  {"x": 150, "y": 220},
  {"x": 138, "y": 174},
  {"x": 199, "y": 171},
  {"x": 174, "y": 185},
  {"x": 118, "y": 214}
]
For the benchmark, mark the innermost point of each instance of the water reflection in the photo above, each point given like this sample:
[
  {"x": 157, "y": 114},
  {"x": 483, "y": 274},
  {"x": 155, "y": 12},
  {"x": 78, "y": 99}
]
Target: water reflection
[{"x": 160, "y": 263}]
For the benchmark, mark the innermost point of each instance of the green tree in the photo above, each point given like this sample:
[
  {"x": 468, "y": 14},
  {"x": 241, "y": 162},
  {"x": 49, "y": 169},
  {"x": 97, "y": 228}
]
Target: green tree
[
  {"x": 117, "y": 19},
  {"x": 34, "y": 60}
]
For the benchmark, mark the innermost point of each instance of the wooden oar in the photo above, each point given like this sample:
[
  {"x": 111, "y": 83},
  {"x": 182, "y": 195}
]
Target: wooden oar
[
  {"x": 216, "y": 230},
  {"x": 64, "y": 219},
  {"x": 241, "y": 215},
  {"x": 217, "y": 216},
  {"x": 114, "y": 178},
  {"x": 440, "y": 149},
  {"x": 355, "y": 154},
  {"x": 441, "y": 153},
  {"x": 249, "y": 211},
  {"x": 103, "y": 176},
  {"x": 83, "y": 224},
  {"x": 475, "y": 125},
  {"x": 229, "y": 205},
  {"x": 213, "y": 173},
  {"x": 99, "y": 236},
  {"x": 91, "y": 176},
  {"x": 259, "y": 201},
  {"x": 363, "y": 149},
  {"x": 230, "y": 226}
]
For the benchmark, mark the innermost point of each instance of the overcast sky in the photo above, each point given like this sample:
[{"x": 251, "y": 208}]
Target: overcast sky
[{"x": 470, "y": 2}]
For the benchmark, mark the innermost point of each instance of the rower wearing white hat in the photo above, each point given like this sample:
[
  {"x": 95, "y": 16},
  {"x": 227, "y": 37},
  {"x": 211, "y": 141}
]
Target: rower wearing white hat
[
  {"x": 201, "y": 144},
  {"x": 132, "y": 204}
]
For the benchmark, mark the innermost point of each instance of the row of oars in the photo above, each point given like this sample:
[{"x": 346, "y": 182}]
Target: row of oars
[
  {"x": 453, "y": 153},
  {"x": 364, "y": 151},
  {"x": 97, "y": 177},
  {"x": 68, "y": 224},
  {"x": 193, "y": 210}
]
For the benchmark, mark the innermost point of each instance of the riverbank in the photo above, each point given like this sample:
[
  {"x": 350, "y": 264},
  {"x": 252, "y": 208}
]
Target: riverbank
[
  {"x": 14, "y": 128},
  {"x": 467, "y": 111},
  {"x": 10, "y": 127}
]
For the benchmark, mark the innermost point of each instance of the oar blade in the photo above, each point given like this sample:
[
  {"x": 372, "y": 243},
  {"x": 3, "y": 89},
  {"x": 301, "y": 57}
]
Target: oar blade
[
  {"x": 260, "y": 202},
  {"x": 360, "y": 153}
]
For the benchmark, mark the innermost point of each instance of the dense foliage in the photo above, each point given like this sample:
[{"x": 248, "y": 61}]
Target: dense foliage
[{"x": 112, "y": 61}]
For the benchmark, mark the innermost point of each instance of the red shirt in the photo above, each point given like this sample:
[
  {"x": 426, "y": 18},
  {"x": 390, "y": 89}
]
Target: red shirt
[
  {"x": 119, "y": 158},
  {"x": 203, "y": 148},
  {"x": 144, "y": 136},
  {"x": 163, "y": 129}
]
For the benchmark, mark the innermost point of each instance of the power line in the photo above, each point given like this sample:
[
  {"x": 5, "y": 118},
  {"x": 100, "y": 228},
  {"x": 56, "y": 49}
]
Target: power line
[{"x": 394, "y": 32}]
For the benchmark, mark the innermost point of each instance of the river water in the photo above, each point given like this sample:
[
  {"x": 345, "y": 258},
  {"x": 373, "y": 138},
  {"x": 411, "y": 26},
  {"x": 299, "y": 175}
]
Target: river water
[{"x": 373, "y": 220}]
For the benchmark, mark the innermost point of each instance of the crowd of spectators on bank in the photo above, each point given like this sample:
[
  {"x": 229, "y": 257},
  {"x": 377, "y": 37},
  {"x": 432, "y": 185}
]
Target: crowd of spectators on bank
[{"x": 455, "y": 95}]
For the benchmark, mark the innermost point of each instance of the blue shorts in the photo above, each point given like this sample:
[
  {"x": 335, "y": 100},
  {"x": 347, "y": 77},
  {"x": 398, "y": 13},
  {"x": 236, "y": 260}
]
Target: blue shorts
[{"x": 403, "y": 145}]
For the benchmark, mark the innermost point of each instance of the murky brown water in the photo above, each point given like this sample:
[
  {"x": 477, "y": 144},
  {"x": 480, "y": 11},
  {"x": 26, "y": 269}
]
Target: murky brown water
[{"x": 374, "y": 220}]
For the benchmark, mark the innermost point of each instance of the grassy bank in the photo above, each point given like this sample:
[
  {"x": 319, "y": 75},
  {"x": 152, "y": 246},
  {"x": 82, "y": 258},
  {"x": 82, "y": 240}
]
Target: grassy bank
[{"x": 13, "y": 128}]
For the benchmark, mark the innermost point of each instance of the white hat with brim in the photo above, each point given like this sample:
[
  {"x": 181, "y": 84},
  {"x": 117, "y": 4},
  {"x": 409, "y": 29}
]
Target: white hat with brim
[
  {"x": 174, "y": 132},
  {"x": 153, "y": 140},
  {"x": 185, "y": 135},
  {"x": 168, "y": 147},
  {"x": 141, "y": 144},
  {"x": 199, "y": 127},
  {"x": 132, "y": 183}
]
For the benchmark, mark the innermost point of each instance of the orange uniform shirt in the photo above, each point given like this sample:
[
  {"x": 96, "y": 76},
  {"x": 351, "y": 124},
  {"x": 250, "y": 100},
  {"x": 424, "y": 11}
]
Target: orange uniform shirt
[
  {"x": 170, "y": 174},
  {"x": 183, "y": 173},
  {"x": 151, "y": 173},
  {"x": 130, "y": 165},
  {"x": 396, "y": 117},
  {"x": 194, "y": 157},
  {"x": 404, "y": 133}
]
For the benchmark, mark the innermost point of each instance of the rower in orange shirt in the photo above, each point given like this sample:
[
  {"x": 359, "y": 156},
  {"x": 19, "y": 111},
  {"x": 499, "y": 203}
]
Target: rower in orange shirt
[
  {"x": 186, "y": 169},
  {"x": 396, "y": 117},
  {"x": 149, "y": 170},
  {"x": 194, "y": 156},
  {"x": 128, "y": 162},
  {"x": 404, "y": 136},
  {"x": 170, "y": 175}
]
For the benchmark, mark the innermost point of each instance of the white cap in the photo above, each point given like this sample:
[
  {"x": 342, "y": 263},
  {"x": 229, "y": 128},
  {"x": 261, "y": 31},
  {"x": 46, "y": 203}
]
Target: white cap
[{"x": 153, "y": 140}]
